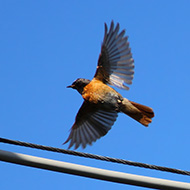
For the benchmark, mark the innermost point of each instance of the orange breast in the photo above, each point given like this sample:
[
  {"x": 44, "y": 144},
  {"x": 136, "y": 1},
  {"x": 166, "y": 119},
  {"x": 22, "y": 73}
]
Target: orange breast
[{"x": 96, "y": 91}]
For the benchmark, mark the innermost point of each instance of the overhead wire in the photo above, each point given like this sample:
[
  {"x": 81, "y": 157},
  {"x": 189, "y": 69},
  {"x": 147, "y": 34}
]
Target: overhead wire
[
  {"x": 91, "y": 172},
  {"x": 93, "y": 156}
]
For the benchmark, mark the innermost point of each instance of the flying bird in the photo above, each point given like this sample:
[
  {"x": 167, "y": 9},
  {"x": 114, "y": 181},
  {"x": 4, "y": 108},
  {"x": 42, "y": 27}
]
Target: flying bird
[{"x": 102, "y": 103}]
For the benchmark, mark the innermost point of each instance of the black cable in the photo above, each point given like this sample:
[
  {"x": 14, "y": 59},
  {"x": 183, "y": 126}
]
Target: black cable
[{"x": 93, "y": 156}]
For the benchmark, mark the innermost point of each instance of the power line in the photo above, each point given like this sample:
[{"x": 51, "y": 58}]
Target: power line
[
  {"x": 91, "y": 172},
  {"x": 93, "y": 156}
]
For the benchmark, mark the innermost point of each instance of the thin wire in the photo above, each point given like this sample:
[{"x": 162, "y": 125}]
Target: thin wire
[{"x": 93, "y": 156}]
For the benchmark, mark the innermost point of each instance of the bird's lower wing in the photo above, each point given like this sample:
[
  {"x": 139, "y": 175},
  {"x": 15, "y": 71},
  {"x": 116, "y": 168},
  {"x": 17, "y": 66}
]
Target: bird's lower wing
[{"x": 91, "y": 123}]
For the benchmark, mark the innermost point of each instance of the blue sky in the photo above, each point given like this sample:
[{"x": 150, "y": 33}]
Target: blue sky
[{"x": 46, "y": 45}]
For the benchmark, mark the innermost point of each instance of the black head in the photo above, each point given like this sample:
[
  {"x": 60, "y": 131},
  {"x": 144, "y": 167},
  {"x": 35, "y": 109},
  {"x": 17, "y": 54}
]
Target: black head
[{"x": 79, "y": 84}]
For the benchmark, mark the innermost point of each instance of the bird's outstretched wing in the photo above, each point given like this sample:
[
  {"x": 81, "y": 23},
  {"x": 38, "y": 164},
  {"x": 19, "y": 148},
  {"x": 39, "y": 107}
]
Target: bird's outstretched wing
[
  {"x": 115, "y": 63},
  {"x": 91, "y": 123}
]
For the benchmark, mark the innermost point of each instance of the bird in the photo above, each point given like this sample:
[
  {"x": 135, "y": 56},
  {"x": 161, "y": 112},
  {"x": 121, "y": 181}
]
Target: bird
[{"x": 102, "y": 103}]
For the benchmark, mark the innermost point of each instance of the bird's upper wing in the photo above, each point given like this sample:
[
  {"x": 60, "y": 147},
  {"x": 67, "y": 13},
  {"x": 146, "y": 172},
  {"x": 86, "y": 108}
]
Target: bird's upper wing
[
  {"x": 115, "y": 63},
  {"x": 90, "y": 124}
]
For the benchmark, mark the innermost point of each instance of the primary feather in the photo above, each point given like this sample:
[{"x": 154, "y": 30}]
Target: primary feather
[{"x": 115, "y": 64}]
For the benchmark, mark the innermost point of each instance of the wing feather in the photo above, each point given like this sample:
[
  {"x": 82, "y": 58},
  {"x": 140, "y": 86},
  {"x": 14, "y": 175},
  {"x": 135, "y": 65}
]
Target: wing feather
[
  {"x": 91, "y": 123},
  {"x": 115, "y": 63}
]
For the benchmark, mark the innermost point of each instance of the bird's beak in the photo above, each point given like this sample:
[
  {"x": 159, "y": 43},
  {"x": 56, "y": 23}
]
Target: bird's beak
[{"x": 70, "y": 86}]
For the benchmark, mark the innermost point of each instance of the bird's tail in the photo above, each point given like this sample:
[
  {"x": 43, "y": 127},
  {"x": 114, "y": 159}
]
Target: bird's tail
[{"x": 140, "y": 113}]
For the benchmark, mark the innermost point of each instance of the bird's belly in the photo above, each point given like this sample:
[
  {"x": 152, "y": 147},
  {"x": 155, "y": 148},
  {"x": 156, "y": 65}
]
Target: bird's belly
[{"x": 102, "y": 95}]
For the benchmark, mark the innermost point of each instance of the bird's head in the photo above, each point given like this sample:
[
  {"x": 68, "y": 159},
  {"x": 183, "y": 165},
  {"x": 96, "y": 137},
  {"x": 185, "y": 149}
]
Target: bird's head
[{"x": 79, "y": 84}]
